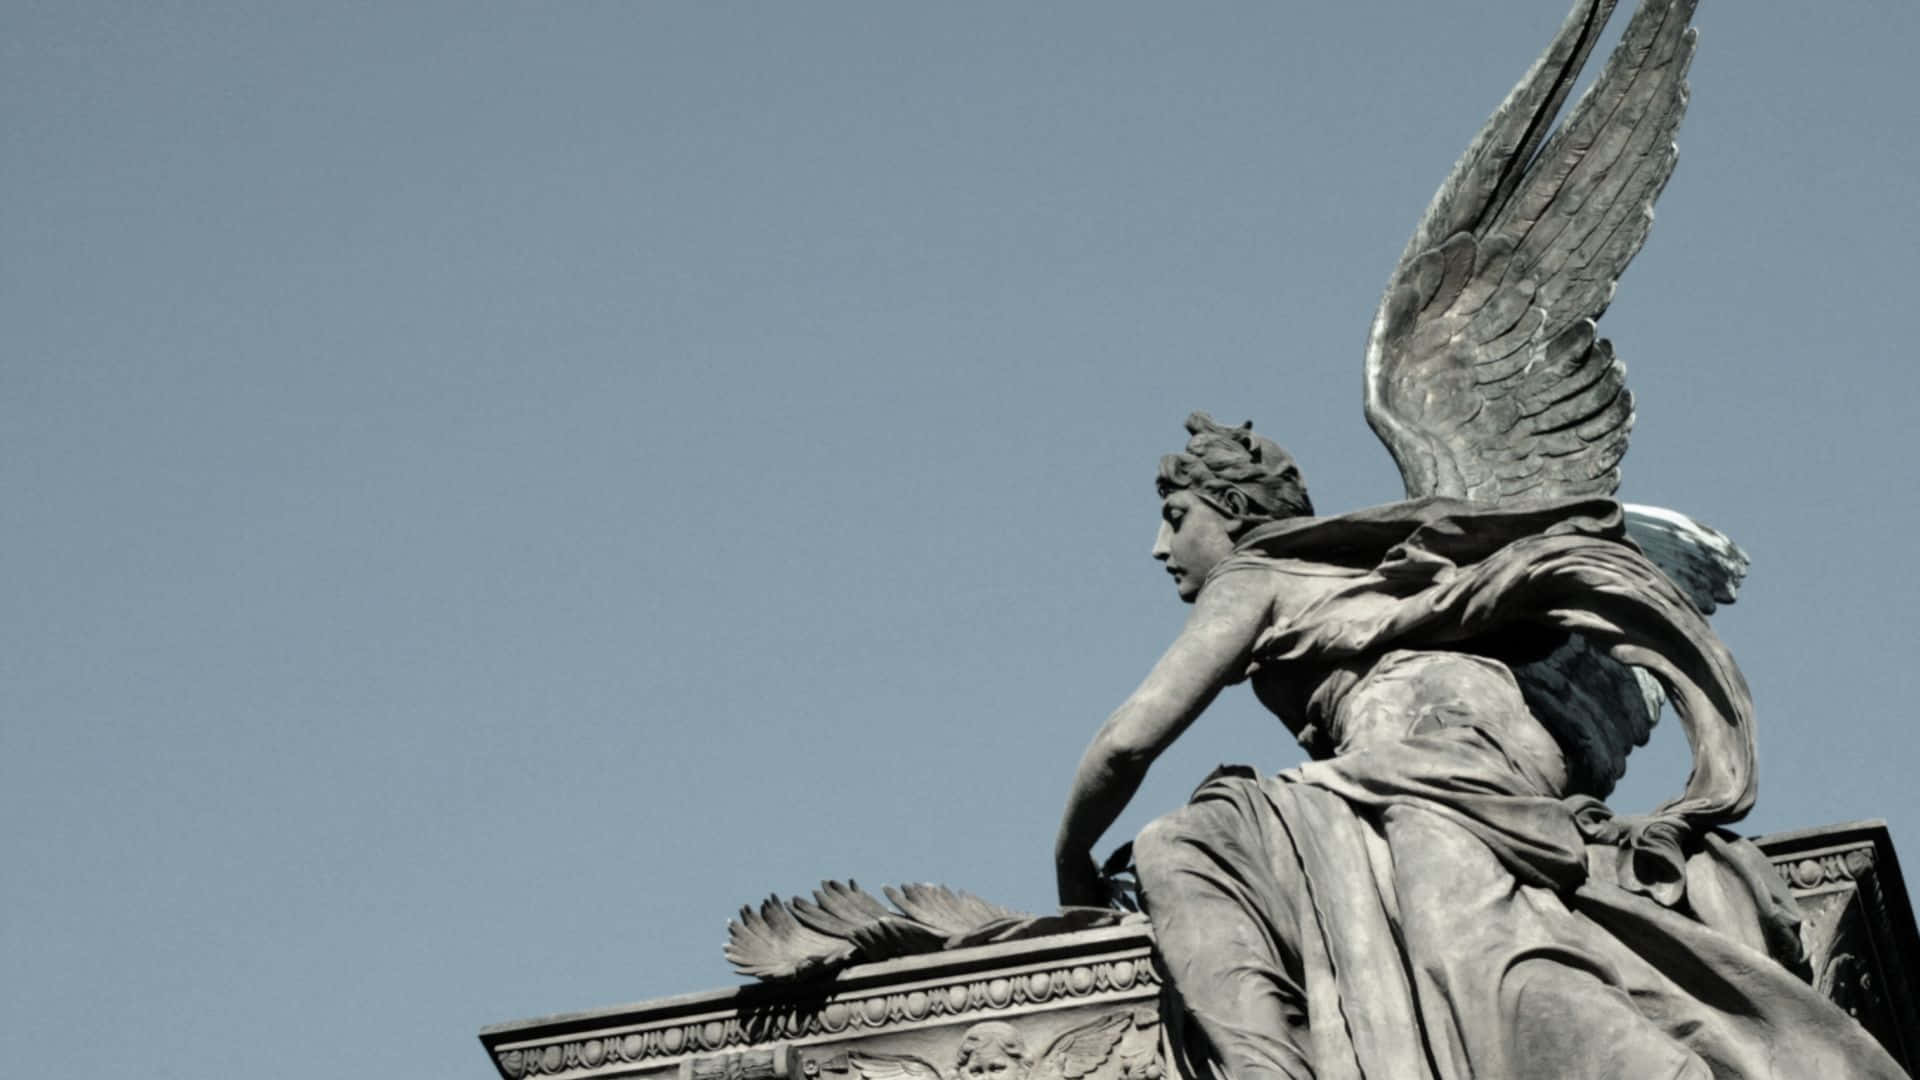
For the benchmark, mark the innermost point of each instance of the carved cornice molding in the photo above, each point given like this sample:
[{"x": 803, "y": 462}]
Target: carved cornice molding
[
  {"x": 1859, "y": 931},
  {"x": 1858, "y": 926},
  {"x": 1839, "y": 868},
  {"x": 754, "y": 1028}
]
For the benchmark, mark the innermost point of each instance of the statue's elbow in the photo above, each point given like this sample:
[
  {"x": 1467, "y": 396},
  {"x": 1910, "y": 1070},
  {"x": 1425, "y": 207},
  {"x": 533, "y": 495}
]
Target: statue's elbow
[{"x": 1123, "y": 748}]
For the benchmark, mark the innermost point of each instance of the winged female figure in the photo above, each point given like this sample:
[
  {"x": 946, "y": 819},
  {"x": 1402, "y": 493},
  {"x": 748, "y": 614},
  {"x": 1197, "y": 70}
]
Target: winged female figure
[{"x": 1440, "y": 892}]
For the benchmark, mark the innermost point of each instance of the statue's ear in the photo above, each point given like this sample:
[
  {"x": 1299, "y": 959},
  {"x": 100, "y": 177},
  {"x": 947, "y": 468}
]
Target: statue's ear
[{"x": 1234, "y": 502}]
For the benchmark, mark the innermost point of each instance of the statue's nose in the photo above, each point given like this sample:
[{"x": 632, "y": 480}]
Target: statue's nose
[{"x": 1163, "y": 542}]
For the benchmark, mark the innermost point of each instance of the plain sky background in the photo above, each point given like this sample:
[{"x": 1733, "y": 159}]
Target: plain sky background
[{"x": 493, "y": 488}]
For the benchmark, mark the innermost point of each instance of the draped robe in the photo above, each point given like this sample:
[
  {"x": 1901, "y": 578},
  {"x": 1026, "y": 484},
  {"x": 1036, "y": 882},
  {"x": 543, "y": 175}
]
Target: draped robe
[{"x": 1434, "y": 899}]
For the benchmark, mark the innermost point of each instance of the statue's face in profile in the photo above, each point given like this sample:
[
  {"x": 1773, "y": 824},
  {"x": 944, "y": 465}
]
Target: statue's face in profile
[
  {"x": 1194, "y": 536},
  {"x": 990, "y": 1061}
]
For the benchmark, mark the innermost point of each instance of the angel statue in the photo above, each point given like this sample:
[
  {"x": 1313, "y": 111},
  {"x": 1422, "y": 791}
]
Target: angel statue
[
  {"x": 1440, "y": 893},
  {"x": 995, "y": 1050}
]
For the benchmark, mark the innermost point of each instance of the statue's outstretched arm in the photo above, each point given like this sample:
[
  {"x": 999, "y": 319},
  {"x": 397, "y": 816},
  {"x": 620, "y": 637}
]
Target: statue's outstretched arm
[{"x": 1211, "y": 651}]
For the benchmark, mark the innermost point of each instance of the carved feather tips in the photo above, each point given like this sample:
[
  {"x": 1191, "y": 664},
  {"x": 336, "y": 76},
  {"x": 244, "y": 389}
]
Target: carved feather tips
[
  {"x": 892, "y": 1066},
  {"x": 1082, "y": 1050},
  {"x": 843, "y": 924},
  {"x": 1705, "y": 562},
  {"x": 1485, "y": 376}
]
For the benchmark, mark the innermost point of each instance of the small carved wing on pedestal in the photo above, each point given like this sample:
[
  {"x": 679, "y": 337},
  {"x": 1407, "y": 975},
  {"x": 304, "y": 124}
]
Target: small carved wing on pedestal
[
  {"x": 1144, "y": 1060},
  {"x": 892, "y": 1067},
  {"x": 1082, "y": 1050}
]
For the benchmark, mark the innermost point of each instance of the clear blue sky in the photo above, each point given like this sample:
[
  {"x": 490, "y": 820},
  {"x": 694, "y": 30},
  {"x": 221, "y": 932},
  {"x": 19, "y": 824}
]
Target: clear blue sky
[{"x": 493, "y": 488}]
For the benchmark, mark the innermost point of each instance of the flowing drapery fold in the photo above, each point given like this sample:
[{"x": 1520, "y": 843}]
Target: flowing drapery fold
[{"x": 1431, "y": 900}]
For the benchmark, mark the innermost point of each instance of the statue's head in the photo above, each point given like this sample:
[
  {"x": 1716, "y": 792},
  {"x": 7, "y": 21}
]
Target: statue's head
[
  {"x": 1226, "y": 481},
  {"x": 992, "y": 1051}
]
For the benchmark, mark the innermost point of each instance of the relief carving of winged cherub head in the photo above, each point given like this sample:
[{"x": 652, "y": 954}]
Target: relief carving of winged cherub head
[
  {"x": 995, "y": 1050},
  {"x": 992, "y": 1051}
]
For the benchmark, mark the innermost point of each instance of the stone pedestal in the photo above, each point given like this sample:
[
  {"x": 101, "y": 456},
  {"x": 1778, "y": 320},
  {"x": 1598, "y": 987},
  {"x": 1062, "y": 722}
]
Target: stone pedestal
[
  {"x": 1091, "y": 998},
  {"x": 919, "y": 1007},
  {"x": 1859, "y": 926}
]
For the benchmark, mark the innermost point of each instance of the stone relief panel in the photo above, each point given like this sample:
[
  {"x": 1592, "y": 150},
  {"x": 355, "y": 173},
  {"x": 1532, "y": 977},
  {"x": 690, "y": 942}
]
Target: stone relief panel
[
  {"x": 1858, "y": 927},
  {"x": 1084, "y": 1006},
  {"x": 1111, "y": 1044},
  {"x": 1022, "y": 1005}
]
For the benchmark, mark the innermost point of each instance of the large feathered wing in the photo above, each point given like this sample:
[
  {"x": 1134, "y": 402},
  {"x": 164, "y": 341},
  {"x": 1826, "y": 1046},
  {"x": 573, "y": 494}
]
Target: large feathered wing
[{"x": 1484, "y": 376}]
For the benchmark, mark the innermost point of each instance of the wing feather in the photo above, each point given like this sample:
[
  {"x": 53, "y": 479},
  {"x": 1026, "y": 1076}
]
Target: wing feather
[
  {"x": 1083, "y": 1049},
  {"x": 892, "y": 1066},
  {"x": 1705, "y": 562},
  {"x": 1485, "y": 375}
]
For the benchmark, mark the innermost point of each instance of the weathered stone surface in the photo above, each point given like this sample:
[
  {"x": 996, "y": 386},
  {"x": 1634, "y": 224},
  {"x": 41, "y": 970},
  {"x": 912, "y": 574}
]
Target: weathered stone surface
[
  {"x": 1440, "y": 892},
  {"x": 906, "y": 1019},
  {"x": 843, "y": 925},
  {"x": 1469, "y": 670},
  {"x": 1859, "y": 926},
  {"x": 872, "y": 1022}
]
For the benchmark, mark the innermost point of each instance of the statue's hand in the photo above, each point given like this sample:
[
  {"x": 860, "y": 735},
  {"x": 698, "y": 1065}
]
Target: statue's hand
[{"x": 1079, "y": 881}]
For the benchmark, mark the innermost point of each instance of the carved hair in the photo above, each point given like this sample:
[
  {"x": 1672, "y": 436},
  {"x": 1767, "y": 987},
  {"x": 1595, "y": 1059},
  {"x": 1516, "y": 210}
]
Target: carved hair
[
  {"x": 991, "y": 1033},
  {"x": 1239, "y": 472}
]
